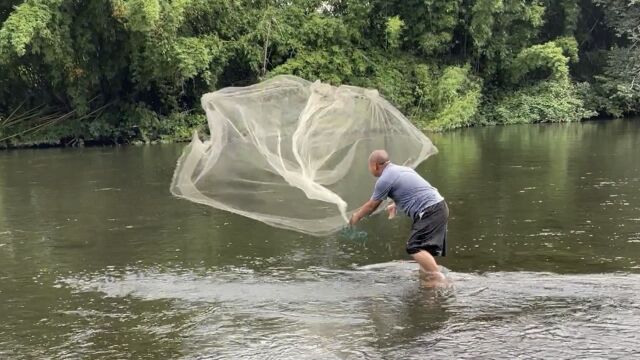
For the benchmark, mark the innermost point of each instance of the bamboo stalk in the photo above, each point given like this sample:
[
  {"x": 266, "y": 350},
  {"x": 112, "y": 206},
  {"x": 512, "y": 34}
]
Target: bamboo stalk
[{"x": 53, "y": 118}]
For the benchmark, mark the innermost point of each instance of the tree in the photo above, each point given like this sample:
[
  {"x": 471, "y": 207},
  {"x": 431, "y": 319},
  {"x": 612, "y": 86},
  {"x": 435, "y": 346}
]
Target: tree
[{"x": 134, "y": 70}]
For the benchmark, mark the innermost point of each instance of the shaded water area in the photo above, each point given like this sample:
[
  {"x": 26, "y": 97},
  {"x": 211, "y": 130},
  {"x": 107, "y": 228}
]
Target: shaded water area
[{"x": 97, "y": 260}]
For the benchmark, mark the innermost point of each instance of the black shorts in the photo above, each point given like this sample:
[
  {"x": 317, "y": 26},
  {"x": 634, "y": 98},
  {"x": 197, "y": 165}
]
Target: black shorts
[{"x": 429, "y": 232}]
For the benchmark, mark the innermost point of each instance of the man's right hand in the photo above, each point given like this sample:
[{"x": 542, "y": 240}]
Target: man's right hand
[{"x": 391, "y": 209}]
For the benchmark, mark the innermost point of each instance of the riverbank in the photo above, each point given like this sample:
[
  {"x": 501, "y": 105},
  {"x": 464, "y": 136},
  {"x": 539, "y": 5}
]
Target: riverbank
[
  {"x": 154, "y": 130},
  {"x": 142, "y": 127}
]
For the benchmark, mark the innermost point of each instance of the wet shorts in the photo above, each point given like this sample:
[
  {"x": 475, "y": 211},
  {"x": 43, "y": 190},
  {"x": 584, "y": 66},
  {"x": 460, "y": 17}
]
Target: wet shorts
[{"x": 429, "y": 231}]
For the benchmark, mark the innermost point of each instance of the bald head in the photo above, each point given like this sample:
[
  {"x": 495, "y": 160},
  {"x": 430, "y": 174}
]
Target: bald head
[
  {"x": 378, "y": 160},
  {"x": 379, "y": 157}
]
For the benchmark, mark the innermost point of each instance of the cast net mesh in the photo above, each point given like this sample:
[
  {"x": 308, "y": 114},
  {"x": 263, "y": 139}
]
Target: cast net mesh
[{"x": 292, "y": 153}]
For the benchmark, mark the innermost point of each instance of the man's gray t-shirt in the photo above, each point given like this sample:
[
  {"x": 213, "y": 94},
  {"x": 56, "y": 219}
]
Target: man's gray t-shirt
[{"x": 411, "y": 193}]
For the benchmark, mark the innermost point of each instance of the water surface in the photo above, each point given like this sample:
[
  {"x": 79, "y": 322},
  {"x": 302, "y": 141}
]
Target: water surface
[{"x": 97, "y": 260}]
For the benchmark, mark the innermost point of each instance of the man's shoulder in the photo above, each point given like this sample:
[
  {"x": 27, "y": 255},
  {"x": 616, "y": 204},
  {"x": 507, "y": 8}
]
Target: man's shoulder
[
  {"x": 399, "y": 169},
  {"x": 390, "y": 174}
]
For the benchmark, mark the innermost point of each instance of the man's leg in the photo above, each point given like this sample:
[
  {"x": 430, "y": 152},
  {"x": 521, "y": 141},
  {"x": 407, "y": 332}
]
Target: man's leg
[
  {"x": 428, "y": 265},
  {"x": 426, "y": 261}
]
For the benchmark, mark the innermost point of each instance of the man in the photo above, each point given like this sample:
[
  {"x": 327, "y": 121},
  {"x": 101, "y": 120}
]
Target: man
[{"x": 418, "y": 200}]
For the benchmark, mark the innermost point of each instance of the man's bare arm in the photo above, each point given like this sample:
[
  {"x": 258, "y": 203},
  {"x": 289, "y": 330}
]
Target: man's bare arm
[{"x": 365, "y": 210}]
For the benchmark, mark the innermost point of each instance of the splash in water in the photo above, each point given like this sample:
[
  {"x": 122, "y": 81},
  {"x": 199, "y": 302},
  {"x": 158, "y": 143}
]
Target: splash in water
[{"x": 351, "y": 233}]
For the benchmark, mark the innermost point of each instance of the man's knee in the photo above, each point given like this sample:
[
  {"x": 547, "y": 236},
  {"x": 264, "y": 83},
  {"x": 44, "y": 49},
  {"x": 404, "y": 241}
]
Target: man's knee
[
  {"x": 425, "y": 252},
  {"x": 425, "y": 260},
  {"x": 418, "y": 254}
]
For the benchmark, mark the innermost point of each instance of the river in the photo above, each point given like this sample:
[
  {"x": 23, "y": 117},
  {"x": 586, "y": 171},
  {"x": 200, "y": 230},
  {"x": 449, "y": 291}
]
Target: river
[{"x": 98, "y": 260}]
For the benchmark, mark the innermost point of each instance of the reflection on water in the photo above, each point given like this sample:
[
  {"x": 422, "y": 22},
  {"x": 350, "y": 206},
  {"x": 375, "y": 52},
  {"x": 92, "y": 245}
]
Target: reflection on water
[{"x": 97, "y": 260}]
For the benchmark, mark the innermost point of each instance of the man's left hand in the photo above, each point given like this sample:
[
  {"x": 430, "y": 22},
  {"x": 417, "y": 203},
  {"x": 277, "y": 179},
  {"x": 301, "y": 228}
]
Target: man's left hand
[{"x": 354, "y": 219}]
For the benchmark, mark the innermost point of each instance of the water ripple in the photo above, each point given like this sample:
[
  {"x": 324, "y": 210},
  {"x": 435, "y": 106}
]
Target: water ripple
[{"x": 378, "y": 312}]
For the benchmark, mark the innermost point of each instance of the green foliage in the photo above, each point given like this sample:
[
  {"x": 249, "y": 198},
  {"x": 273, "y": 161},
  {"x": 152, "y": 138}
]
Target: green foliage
[
  {"x": 429, "y": 25},
  {"x": 134, "y": 70},
  {"x": 571, "y": 13},
  {"x": 393, "y": 31},
  {"x": 616, "y": 90},
  {"x": 334, "y": 65},
  {"x": 500, "y": 30},
  {"x": 394, "y": 78},
  {"x": 140, "y": 15},
  {"x": 542, "y": 61},
  {"x": 547, "y": 101},
  {"x": 146, "y": 126},
  {"x": 447, "y": 101},
  {"x": 569, "y": 47},
  {"x": 482, "y": 20},
  {"x": 27, "y": 21}
]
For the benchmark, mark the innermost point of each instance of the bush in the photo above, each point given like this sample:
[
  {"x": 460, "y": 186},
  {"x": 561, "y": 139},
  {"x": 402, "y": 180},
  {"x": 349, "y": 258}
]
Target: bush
[
  {"x": 546, "y": 101},
  {"x": 447, "y": 100}
]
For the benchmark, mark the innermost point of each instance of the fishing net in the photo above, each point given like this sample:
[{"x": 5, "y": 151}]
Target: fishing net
[{"x": 292, "y": 153}]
